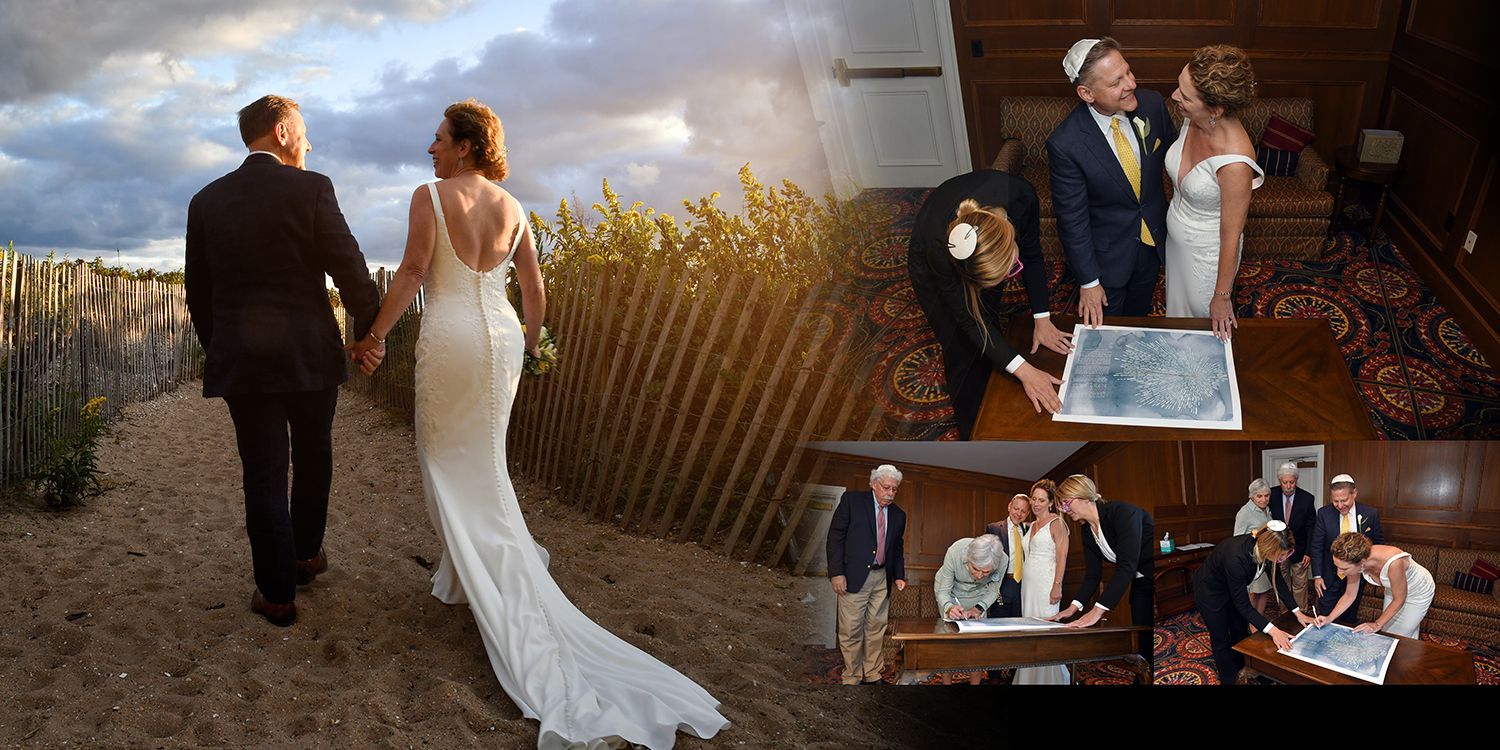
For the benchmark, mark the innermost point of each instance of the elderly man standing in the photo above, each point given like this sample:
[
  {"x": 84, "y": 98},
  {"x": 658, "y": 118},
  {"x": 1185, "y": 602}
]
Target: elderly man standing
[
  {"x": 1342, "y": 514},
  {"x": 1293, "y": 506},
  {"x": 864, "y": 561}
]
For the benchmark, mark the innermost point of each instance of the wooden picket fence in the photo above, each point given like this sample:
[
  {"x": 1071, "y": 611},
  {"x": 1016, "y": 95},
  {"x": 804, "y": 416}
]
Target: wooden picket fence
[
  {"x": 681, "y": 402},
  {"x": 68, "y": 334}
]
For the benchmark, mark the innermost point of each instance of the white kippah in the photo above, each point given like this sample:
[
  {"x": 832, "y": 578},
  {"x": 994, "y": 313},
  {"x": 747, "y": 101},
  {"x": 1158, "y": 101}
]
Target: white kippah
[
  {"x": 962, "y": 240},
  {"x": 1276, "y": 525},
  {"x": 1074, "y": 59},
  {"x": 1342, "y": 478}
]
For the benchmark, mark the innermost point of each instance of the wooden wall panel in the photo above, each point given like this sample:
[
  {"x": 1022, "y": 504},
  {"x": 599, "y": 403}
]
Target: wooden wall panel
[
  {"x": 1438, "y": 94},
  {"x": 1185, "y": 12},
  {"x": 1328, "y": 14}
]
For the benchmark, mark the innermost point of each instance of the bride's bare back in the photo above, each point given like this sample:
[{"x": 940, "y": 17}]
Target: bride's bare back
[{"x": 482, "y": 221}]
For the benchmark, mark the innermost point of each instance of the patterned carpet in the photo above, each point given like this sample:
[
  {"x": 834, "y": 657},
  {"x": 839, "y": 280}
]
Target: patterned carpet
[
  {"x": 826, "y": 666},
  {"x": 1183, "y": 656},
  {"x": 1413, "y": 366}
]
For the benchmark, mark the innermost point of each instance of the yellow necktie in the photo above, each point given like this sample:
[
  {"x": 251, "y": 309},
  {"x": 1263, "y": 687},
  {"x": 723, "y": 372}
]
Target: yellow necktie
[
  {"x": 1016, "y": 551},
  {"x": 1132, "y": 170},
  {"x": 1343, "y": 529}
]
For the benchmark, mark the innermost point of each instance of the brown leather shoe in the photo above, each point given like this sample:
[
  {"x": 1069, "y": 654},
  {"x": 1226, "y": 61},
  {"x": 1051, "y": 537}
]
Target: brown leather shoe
[
  {"x": 280, "y": 615},
  {"x": 307, "y": 570}
]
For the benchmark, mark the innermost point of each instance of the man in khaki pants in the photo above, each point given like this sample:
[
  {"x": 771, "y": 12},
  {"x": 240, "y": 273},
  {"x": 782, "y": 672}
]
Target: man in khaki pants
[{"x": 864, "y": 560}]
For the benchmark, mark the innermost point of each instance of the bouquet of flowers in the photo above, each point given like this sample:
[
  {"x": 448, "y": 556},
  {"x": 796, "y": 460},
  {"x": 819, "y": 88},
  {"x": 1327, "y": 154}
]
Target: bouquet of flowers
[{"x": 541, "y": 365}]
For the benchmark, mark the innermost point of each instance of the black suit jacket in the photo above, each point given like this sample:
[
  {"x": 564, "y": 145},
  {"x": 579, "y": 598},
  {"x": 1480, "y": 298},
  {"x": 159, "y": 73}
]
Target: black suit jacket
[
  {"x": 1128, "y": 530},
  {"x": 1224, "y": 580},
  {"x": 851, "y": 540},
  {"x": 1301, "y": 524},
  {"x": 967, "y": 358},
  {"x": 1326, "y": 529},
  {"x": 1098, "y": 213},
  {"x": 1002, "y": 530},
  {"x": 259, "y": 241}
]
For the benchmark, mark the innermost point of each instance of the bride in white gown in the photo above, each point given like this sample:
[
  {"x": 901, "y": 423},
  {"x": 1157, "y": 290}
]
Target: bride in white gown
[
  {"x": 587, "y": 687},
  {"x": 1045, "y": 552},
  {"x": 1210, "y": 199}
]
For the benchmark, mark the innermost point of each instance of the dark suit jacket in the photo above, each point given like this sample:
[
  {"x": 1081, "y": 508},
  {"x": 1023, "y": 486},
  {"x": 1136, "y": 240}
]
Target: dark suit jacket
[
  {"x": 1301, "y": 524},
  {"x": 967, "y": 359},
  {"x": 1224, "y": 579},
  {"x": 1098, "y": 213},
  {"x": 259, "y": 241},
  {"x": 1326, "y": 529},
  {"x": 851, "y": 540},
  {"x": 1010, "y": 588},
  {"x": 1128, "y": 530}
]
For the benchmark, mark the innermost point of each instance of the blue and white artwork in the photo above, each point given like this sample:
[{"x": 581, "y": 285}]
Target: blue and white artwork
[
  {"x": 1150, "y": 377},
  {"x": 1336, "y": 647}
]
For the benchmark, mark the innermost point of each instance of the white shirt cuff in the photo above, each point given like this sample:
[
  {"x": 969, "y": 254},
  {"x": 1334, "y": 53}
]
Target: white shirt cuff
[
  {"x": 1091, "y": 284},
  {"x": 1015, "y": 364},
  {"x": 1040, "y": 315},
  {"x": 1077, "y": 605},
  {"x": 1097, "y": 605}
]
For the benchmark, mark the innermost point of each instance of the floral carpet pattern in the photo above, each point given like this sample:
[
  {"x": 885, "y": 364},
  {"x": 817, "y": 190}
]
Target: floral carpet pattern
[
  {"x": 1183, "y": 657},
  {"x": 1413, "y": 366}
]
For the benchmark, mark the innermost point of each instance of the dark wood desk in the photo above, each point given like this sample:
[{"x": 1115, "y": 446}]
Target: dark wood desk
[
  {"x": 1414, "y": 663},
  {"x": 932, "y": 645},
  {"x": 1173, "y": 579},
  {"x": 1294, "y": 385}
]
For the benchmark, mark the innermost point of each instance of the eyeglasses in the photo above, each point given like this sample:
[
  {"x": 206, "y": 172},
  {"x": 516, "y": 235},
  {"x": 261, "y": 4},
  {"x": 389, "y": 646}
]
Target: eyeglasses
[{"x": 1016, "y": 269}]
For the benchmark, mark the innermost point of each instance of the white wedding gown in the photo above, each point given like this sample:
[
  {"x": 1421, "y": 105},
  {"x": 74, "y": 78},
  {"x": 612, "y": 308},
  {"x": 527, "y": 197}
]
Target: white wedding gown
[
  {"x": 1419, "y": 593},
  {"x": 587, "y": 687},
  {"x": 1039, "y": 554},
  {"x": 1193, "y": 229}
]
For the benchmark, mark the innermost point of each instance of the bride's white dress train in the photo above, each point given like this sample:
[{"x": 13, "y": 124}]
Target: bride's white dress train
[{"x": 586, "y": 686}]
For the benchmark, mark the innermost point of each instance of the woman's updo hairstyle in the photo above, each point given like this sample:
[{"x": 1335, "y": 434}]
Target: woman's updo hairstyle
[
  {"x": 994, "y": 255},
  {"x": 470, "y": 120},
  {"x": 1223, "y": 77}
]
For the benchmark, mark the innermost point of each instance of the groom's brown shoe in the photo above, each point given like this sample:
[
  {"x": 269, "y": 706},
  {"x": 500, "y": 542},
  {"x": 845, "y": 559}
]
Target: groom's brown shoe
[
  {"x": 280, "y": 615},
  {"x": 307, "y": 570}
]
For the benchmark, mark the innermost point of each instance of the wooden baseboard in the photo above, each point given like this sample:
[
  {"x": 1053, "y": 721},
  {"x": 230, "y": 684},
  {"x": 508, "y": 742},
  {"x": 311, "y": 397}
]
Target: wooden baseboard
[{"x": 1473, "y": 313}]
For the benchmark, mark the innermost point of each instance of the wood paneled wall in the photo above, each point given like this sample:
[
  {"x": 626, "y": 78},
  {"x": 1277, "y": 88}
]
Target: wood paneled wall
[
  {"x": 1433, "y": 492},
  {"x": 942, "y": 505},
  {"x": 1439, "y": 94},
  {"x": 1336, "y": 52}
]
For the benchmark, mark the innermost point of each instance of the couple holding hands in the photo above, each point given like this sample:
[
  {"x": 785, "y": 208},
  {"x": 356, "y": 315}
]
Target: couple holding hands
[{"x": 1106, "y": 161}]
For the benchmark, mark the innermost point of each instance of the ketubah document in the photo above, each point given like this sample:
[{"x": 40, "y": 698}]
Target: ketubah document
[{"x": 1150, "y": 377}]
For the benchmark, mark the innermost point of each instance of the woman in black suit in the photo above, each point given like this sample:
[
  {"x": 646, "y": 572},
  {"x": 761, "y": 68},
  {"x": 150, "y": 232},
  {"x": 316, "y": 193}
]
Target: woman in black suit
[
  {"x": 1117, "y": 532},
  {"x": 972, "y": 233},
  {"x": 1221, "y": 588}
]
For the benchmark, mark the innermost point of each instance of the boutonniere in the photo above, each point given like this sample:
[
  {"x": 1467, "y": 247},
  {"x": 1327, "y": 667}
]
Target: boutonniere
[
  {"x": 1359, "y": 519},
  {"x": 1143, "y": 127}
]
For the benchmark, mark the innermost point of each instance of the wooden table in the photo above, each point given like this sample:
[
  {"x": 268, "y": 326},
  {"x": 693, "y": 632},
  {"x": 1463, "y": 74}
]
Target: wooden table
[
  {"x": 932, "y": 645},
  {"x": 1172, "y": 578},
  {"x": 1415, "y": 662},
  {"x": 1351, "y": 168},
  {"x": 1294, "y": 385}
]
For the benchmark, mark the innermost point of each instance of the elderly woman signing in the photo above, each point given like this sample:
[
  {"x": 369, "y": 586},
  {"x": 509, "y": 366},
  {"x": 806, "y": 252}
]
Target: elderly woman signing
[{"x": 969, "y": 581}]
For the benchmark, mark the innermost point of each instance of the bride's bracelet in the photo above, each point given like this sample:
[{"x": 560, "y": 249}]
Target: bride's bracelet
[{"x": 1225, "y": 295}]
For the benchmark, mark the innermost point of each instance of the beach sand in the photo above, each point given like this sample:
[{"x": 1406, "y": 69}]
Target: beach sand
[{"x": 126, "y": 622}]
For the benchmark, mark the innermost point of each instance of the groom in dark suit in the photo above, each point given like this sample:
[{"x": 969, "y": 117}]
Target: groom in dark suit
[
  {"x": 259, "y": 241},
  {"x": 1105, "y": 160},
  {"x": 1010, "y": 532},
  {"x": 1342, "y": 514}
]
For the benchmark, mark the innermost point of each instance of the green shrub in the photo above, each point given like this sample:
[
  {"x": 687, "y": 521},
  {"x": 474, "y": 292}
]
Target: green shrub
[{"x": 73, "y": 471}]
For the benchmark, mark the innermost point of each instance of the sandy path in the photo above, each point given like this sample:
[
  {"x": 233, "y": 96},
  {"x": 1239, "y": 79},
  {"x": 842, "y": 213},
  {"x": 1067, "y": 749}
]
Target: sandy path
[{"x": 126, "y": 622}]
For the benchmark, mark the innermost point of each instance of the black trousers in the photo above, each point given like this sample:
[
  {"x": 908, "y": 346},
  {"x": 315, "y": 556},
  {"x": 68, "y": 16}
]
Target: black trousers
[
  {"x": 1333, "y": 588},
  {"x": 1226, "y": 627},
  {"x": 280, "y": 532},
  {"x": 1134, "y": 297},
  {"x": 1142, "y": 612}
]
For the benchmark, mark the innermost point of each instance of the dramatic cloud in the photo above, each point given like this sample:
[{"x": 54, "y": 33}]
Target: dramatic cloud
[{"x": 665, "y": 98}]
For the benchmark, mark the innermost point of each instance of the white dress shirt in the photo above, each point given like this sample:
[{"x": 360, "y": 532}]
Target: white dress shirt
[{"x": 1126, "y": 127}]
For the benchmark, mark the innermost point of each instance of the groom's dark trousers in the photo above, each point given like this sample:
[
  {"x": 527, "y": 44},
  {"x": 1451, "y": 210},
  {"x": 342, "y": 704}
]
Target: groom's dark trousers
[{"x": 259, "y": 243}]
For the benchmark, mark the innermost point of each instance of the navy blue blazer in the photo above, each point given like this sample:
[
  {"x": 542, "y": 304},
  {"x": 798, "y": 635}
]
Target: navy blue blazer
[
  {"x": 1327, "y": 529},
  {"x": 1098, "y": 214},
  {"x": 1301, "y": 524},
  {"x": 1001, "y": 529},
  {"x": 851, "y": 540}
]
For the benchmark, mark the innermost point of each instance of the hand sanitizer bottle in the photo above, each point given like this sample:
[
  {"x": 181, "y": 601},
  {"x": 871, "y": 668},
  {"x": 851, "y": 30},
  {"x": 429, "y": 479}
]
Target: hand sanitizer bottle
[{"x": 1166, "y": 543}]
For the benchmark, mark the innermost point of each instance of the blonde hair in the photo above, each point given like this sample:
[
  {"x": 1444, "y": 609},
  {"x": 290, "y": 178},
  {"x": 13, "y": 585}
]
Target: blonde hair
[
  {"x": 993, "y": 257},
  {"x": 1050, "y": 487},
  {"x": 470, "y": 120},
  {"x": 1351, "y": 547},
  {"x": 1080, "y": 486},
  {"x": 1223, "y": 77},
  {"x": 1269, "y": 545}
]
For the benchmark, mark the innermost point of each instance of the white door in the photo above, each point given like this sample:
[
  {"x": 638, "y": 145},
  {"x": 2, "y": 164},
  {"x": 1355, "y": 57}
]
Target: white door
[
  {"x": 1309, "y": 460},
  {"x": 883, "y": 80}
]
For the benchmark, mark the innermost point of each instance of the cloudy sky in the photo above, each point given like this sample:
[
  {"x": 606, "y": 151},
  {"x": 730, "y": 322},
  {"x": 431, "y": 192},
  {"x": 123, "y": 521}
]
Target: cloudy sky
[{"x": 114, "y": 112}]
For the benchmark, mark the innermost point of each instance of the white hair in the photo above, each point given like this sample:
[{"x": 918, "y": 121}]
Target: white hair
[
  {"x": 984, "y": 552},
  {"x": 1259, "y": 485},
  {"x": 1286, "y": 469},
  {"x": 885, "y": 470}
]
